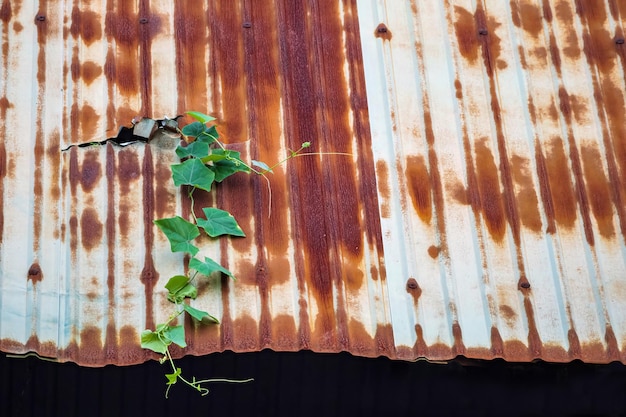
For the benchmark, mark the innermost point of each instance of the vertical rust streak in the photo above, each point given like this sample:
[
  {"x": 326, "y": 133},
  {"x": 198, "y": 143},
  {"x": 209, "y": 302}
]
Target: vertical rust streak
[
  {"x": 490, "y": 49},
  {"x": 39, "y": 147},
  {"x": 301, "y": 124},
  {"x": 544, "y": 188},
  {"x": 263, "y": 98},
  {"x": 359, "y": 105},
  {"x": 110, "y": 340},
  {"x": 581, "y": 192},
  {"x": 601, "y": 52},
  {"x": 145, "y": 56},
  {"x": 190, "y": 35},
  {"x": 149, "y": 275}
]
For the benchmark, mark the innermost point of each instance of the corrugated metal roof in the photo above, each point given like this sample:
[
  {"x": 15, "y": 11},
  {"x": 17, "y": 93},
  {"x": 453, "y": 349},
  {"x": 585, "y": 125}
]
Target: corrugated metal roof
[{"x": 481, "y": 213}]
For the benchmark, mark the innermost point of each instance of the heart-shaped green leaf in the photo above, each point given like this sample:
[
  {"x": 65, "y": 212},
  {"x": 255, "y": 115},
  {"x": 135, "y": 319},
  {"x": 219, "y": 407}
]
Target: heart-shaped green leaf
[
  {"x": 193, "y": 172},
  {"x": 199, "y": 314},
  {"x": 219, "y": 222},
  {"x": 180, "y": 233},
  {"x": 195, "y": 149},
  {"x": 208, "y": 267},
  {"x": 177, "y": 335},
  {"x": 150, "y": 340},
  {"x": 194, "y": 129}
]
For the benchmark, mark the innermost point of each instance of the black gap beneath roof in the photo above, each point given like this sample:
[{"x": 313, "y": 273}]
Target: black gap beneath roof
[{"x": 310, "y": 384}]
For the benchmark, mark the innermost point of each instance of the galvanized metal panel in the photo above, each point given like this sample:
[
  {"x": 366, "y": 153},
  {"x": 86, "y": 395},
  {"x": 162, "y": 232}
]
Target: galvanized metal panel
[{"x": 481, "y": 212}]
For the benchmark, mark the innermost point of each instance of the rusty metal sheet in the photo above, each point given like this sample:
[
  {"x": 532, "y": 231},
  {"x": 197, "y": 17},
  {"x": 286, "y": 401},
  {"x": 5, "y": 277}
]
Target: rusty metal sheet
[{"x": 480, "y": 214}]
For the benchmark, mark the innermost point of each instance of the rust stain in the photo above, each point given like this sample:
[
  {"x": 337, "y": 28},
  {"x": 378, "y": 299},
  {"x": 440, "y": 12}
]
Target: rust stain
[
  {"x": 88, "y": 70},
  {"x": 149, "y": 275},
  {"x": 598, "y": 189},
  {"x": 90, "y": 352},
  {"x": 489, "y": 190},
  {"x": 90, "y": 172},
  {"x": 228, "y": 47},
  {"x": 418, "y": 182},
  {"x": 35, "y": 274},
  {"x": 284, "y": 333},
  {"x": 508, "y": 314},
  {"x": 526, "y": 197},
  {"x": 575, "y": 350},
  {"x": 528, "y": 16},
  {"x": 128, "y": 169},
  {"x": 413, "y": 288},
  {"x": 564, "y": 14},
  {"x": 534, "y": 341},
  {"x": 612, "y": 347},
  {"x": 86, "y": 24},
  {"x": 458, "y": 347},
  {"x": 433, "y": 251},
  {"x": 110, "y": 340},
  {"x": 561, "y": 191},
  {"x": 598, "y": 43},
  {"x": 91, "y": 229},
  {"x": 245, "y": 334},
  {"x": 544, "y": 188},
  {"x": 497, "y": 346},
  {"x": 383, "y": 32},
  {"x": 466, "y": 34},
  {"x": 5, "y": 11},
  {"x": 84, "y": 122},
  {"x": 490, "y": 42},
  {"x": 190, "y": 34},
  {"x": 382, "y": 176}
]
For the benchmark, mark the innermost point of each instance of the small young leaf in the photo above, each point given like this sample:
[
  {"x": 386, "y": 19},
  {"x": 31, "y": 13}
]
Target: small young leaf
[
  {"x": 264, "y": 167},
  {"x": 193, "y": 172},
  {"x": 199, "y": 314},
  {"x": 195, "y": 149},
  {"x": 179, "y": 288},
  {"x": 177, "y": 335},
  {"x": 201, "y": 117},
  {"x": 209, "y": 136},
  {"x": 208, "y": 267},
  {"x": 219, "y": 222},
  {"x": 173, "y": 377},
  {"x": 150, "y": 340},
  {"x": 179, "y": 232},
  {"x": 194, "y": 129}
]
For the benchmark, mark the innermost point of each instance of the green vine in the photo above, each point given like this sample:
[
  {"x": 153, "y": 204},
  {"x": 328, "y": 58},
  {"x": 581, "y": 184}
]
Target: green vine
[{"x": 205, "y": 161}]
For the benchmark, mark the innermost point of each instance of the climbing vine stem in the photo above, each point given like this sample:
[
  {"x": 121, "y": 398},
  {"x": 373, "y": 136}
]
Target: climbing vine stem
[{"x": 205, "y": 161}]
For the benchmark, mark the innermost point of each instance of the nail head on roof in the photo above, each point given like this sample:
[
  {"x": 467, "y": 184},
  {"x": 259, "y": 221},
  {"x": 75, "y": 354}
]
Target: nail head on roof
[{"x": 40, "y": 17}]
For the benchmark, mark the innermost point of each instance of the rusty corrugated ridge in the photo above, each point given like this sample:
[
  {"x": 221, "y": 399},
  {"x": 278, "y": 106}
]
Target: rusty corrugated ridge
[{"x": 480, "y": 214}]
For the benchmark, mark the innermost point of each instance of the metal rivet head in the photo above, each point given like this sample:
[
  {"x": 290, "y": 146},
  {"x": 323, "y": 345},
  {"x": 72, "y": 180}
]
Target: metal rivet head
[
  {"x": 143, "y": 20},
  {"x": 483, "y": 32},
  {"x": 619, "y": 41},
  {"x": 382, "y": 28},
  {"x": 525, "y": 285},
  {"x": 247, "y": 25},
  {"x": 40, "y": 18},
  {"x": 411, "y": 284}
]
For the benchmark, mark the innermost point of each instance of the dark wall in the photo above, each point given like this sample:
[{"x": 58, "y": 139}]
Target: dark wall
[{"x": 308, "y": 384}]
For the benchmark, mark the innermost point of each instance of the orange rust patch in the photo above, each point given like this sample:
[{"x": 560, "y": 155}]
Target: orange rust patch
[
  {"x": 489, "y": 189},
  {"x": 418, "y": 182},
  {"x": 598, "y": 189},
  {"x": 526, "y": 197},
  {"x": 91, "y": 229},
  {"x": 35, "y": 274},
  {"x": 433, "y": 251},
  {"x": 245, "y": 334},
  {"x": 382, "y": 173}
]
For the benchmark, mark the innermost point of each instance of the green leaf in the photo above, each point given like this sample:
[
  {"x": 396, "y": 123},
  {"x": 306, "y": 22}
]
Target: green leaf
[
  {"x": 227, "y": 166},
  {"x": 172, "y": 378},
  {"x": 201, "y": 117},
  {"x": 177, "y": 335},
  {"x": 179, "y": 232},
  {"x": 264, "y": 167},
  {"x": 209, "y": 136},
  {"x": 219, "y": 222},
  {"x": 193, "y": 172},
  {"x": 199, "y": 314},
  {"x": 195, "y": 149},
  {"x": 194, "y": 129},
  {"x": 179, "y": 288},
  {"x": 150, "y": 340},
  {"x": 208, "y": 267}
]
